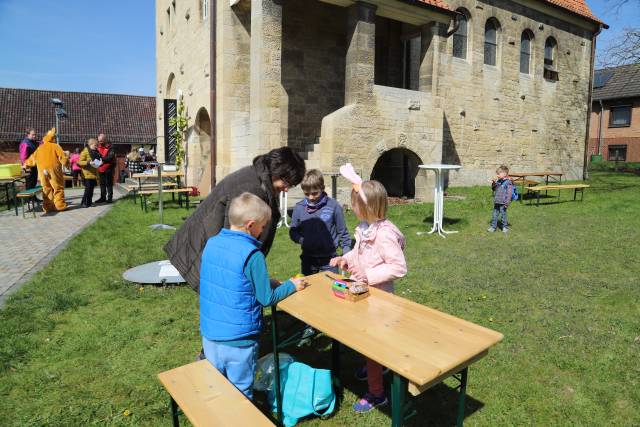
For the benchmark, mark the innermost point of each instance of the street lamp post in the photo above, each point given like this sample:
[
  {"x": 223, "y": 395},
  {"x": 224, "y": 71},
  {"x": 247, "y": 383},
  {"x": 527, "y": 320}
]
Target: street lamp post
[{"x": 60, "y": 113}]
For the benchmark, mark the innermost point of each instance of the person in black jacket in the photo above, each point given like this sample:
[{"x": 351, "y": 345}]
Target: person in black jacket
[
  {"x": 271, "y": 173},
  {"x": 106, "y": 169}
]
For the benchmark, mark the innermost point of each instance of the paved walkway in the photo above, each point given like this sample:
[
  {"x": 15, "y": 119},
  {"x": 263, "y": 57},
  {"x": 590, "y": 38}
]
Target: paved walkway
[{"x": 24, "y": 250}]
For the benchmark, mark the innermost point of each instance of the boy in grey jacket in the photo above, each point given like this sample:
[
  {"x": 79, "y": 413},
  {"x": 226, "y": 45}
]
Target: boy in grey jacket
[{"x": 502, "y": 187}]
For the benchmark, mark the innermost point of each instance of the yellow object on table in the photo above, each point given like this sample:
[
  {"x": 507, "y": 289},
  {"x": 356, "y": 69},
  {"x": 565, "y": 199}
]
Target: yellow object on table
[{"x": 10, "y": 170}]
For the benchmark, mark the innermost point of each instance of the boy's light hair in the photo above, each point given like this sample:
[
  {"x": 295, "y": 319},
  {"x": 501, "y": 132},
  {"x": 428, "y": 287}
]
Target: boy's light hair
[
  {"x": 248, "y": 207},
  {"x": 503, "y": 168},
  {"x": 312, "y": 180},
  {"x": 376, "y": 207},
  {"x": 91, "y": 141}
]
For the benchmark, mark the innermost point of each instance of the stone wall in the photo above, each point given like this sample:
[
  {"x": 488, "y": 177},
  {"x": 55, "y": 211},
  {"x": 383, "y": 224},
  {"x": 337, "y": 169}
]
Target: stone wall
[
  {"x": 182, "y": 50},
  {"x": 495, "y": 114},
  {"x": 313, "y": 67}
]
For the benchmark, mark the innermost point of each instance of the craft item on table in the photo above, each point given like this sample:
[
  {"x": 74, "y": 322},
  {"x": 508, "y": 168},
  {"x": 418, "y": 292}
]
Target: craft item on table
[{"x": 349, "y": 289}]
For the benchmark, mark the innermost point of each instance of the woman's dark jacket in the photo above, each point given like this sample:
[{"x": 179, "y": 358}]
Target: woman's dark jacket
[{"x": 186, "y": 246}]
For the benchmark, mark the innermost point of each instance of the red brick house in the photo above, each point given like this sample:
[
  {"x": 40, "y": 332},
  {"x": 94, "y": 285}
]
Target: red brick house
[
  {"x": 126, "y": 120},
  {"x": 615, "y": 119}
]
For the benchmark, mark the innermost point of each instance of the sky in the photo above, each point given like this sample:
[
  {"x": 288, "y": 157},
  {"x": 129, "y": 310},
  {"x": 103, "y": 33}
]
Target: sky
[
  {"x": 109, "y": 46},
  {"x": 105, "y": 46}
]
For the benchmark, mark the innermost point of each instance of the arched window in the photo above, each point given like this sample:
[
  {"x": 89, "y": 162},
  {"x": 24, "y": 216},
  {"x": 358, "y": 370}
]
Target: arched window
[
  {"x": 491, "y": 29},
  {"x": 550, "y": 51},
  {"x": 525, "y": 51},
  {"x": 461, "y": 35},
  {"x": 550, "y": 63}
]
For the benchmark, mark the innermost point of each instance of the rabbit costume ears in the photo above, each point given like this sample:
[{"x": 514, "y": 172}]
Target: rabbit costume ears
[{"x": 349, "y": 173}]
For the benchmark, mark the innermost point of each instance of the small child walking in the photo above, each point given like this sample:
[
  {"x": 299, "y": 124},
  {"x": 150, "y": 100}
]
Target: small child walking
[
  {"x": 234, "y": 286},
  {"x": 502, "y": 187},
  {"x": 376, "y": 259}
]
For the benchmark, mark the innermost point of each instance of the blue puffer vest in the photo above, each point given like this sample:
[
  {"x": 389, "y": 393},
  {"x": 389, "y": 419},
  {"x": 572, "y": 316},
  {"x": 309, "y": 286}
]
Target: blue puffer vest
[{"x": 229, "y": 309}]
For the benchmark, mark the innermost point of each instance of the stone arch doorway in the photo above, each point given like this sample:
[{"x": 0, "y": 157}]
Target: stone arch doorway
[
  {"x": 200, "y": 151},
  {"x": 397, "y": 169}
]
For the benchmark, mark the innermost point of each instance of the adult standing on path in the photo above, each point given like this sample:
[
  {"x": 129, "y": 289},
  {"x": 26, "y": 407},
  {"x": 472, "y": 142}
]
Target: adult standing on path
[
  {"x": 27, "y": 147},
  {"x": 271, "y": 173},
  {"x": 106, "y": 170},
  {"x": 49, "y": 158}
]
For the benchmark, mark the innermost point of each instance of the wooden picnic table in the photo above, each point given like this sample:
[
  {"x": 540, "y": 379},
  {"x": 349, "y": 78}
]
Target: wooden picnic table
[
  {"x": 422, "y": 346},
  {"x": 9, "y": 185},
  {"x": 521, "y": 178}
]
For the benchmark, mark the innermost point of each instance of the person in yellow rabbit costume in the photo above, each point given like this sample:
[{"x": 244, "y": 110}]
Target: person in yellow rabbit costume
[{"x": 49, "y": 158}]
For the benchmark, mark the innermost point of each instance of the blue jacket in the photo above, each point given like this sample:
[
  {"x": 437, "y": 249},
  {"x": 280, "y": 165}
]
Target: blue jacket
[
  {"x": 502, "y": 191},
  {"x": 320, "y": 233},
  {"x": 234, "y": 286}
]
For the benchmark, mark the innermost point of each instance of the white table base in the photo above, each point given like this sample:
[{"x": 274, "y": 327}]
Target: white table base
[{"x": 438, "y": 207}]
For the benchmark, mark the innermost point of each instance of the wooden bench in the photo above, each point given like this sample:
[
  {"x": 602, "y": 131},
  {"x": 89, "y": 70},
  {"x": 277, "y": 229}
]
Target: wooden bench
[
  {"x": 577, "y": 188},
  {"x": 30, "y": 197},
  {"x": 181, "y": 192},
  {"x": 207, "y": 398},
  {"x": 134, "y": 189}
]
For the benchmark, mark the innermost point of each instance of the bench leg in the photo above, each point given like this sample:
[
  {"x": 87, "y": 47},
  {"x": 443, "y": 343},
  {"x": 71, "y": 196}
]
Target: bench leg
[
  {"x": 22, "y": 206},
  {"x": 174, "y": 413},
  {"x": 461, "y": 396},
  {"x": 33, "y": 206},
  {"x": 187, "y": 197}
]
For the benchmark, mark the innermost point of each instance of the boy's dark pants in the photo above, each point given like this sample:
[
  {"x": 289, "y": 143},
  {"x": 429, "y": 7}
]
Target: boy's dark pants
[
  {"x": 313, "y": 265},
  {"x": 499, "y": 211}
]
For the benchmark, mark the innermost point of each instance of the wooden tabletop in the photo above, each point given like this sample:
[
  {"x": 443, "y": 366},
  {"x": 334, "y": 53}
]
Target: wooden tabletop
[
  {"x": 209, "y": 399},
  {"x": 523, "y": 174},
  {"x": 415, "y": 341},
  {"x": 155, "y": 175}
]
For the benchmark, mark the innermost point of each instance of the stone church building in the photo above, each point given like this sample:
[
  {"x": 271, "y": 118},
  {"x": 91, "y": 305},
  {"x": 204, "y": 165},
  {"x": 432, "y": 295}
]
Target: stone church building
[{"x": 384, "y": 84}]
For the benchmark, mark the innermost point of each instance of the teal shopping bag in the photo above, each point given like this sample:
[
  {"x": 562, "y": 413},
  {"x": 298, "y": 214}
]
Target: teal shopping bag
[{"x": 305, "y": 391}]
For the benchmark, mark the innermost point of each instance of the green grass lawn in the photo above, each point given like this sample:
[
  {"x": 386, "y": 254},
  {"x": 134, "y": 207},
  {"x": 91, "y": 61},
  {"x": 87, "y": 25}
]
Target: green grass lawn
[{"x": 79, "y": 346}]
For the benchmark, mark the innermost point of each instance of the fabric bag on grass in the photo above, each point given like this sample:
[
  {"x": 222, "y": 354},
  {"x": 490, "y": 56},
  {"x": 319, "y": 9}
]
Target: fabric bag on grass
[{"x": 305, "y": 391}]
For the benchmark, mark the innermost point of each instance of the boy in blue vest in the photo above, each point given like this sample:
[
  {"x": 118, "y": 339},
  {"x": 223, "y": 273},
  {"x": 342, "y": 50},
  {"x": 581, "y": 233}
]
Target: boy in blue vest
[{"x": 234, "y": 286}]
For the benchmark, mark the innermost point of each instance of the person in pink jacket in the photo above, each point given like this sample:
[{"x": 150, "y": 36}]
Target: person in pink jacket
[{"x": 376, "y": 259}]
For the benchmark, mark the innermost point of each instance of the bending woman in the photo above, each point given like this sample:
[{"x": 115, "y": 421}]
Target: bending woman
[{"x": 271, "y": 173}]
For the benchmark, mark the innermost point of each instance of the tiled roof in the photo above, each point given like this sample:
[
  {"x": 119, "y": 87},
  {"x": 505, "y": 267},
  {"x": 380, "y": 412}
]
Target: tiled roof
[
  {"x": 619, "y": 82},
  {"x": 578, "y": 7},
  {"x": 123, "y": 118},
  {"x": 436, "y": 3}
]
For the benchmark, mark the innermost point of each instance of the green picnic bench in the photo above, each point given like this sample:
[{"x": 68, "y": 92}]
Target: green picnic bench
[{"x": 31, "y": 199}]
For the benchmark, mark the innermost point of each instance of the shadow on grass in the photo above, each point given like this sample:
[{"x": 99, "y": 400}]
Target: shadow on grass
[
  {"x": 437, "y": 406},
  {"x": 446, "y": 220}
]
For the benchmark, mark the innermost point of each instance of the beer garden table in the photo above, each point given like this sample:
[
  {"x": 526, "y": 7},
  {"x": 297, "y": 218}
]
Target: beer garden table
[
  {"x": 420, "y": 345},
  {"x": 438, "y": 197}
]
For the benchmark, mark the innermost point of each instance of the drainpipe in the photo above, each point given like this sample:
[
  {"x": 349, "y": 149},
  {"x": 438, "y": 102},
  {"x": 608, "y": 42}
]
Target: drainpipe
[
  {"x": 585, "y": 164},
  {"x": 212, "y": 90},
  {"x": 600, "y": 126}
]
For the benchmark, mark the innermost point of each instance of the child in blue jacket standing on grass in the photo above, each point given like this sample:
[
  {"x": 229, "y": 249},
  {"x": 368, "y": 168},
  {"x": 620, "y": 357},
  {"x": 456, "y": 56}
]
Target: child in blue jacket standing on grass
[
  {"x": 234, "y": 286},
  {"x": 317, "y": 224},
  {"x": 502, "y": 187}
]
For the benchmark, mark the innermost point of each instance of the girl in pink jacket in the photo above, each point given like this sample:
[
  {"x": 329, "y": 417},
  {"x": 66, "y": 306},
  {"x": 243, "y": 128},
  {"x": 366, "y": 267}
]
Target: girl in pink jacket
[{"x": 376, "y": 259}]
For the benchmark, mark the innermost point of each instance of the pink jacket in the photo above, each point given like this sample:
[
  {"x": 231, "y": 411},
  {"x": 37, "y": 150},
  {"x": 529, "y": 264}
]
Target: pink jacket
[{"x": 378, "y": 254}]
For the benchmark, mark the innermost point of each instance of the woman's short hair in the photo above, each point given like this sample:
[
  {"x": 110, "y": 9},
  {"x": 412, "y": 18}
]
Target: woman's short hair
[
  {"x": 375, "y": 209},
  {"x": 248, "y": 207},
  {"x": 283, "y": 163},
  {"x": 312, "y": 180}
]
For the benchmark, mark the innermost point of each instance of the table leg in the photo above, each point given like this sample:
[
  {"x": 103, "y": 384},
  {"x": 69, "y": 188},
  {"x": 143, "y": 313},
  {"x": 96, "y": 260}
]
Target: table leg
[
  {"x": 276, "y": 361},
  {"x": 174, "y": 413},
  {"x": 335, "y": 368},
  {"x": 398, "y": 396},
  {"x": 14, "y": 197},
  {"x": 334, "y": 187},
  {"x": 461, "y": 396}
]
